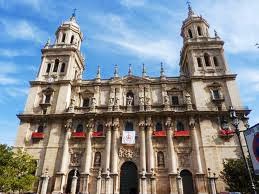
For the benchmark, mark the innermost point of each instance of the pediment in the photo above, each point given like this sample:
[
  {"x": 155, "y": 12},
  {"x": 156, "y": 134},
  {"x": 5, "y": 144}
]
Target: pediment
[
  {"x": 214, "y": 85},
  {"x": 86, "y": 91},
  {"x": 174, "y": 89},
  {"x": 130, "y": 79}
]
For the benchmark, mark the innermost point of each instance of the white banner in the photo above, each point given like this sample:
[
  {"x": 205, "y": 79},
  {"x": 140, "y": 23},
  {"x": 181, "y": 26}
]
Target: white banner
[
  {"x": 252, "y": 140},
  {"x": 128, "y": 137}
]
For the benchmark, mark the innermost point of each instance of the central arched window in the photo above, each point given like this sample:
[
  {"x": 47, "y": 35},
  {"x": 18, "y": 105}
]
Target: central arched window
[
  {"x": 63, "y": 66},
  {"x": 190, "y": 33},
  {"x": 48, "y": 68},
  {"x": 99, "y": 127},
  {"x": 55, "y": 69},
  {"x": 199, "y": 31},
  {"x": 63, "y": 37},
  {"x": 207, "y": 59},
  {"x": 86, "y": 102},
  {"x": 180, "y": 126},
  {"x": 215, "y": 60},
  {"x": 129, "y": 126},
  {"x": 130, "y": 98},
  {"x": 199, "y": 62},
  {"x": 79, "y": 128},
  {"x": 159, "y": 126},
  {"x": 40, "y": 129},
  {"x": 72, "y": 39}
]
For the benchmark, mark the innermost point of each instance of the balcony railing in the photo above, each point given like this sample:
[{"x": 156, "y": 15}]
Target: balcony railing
[
  {"x": 97, "y": 134},
  {"x": 184, "y": 133},
  {"x": 226, "y": 133},
  {"x": 78, "y": 135},
  {"x": 37, "y": 135},
  {"x": 159, "y": 133}
]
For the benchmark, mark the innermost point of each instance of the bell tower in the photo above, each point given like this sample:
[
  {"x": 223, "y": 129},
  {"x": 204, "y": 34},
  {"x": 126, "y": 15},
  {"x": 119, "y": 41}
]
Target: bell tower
[
  {"x": 63, "y": 59},
  {"x": 201, "y": 54},
  {"x": 203, "y": 63}
]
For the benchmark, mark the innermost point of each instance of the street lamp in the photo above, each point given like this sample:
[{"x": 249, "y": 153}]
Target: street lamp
[{"x": 235, "y": 122}]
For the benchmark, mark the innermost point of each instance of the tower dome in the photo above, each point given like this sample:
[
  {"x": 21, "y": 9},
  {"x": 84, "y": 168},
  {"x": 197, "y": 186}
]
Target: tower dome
[
  {"x": 194, "y": 27},
  {"x": 69, "y": 33}
]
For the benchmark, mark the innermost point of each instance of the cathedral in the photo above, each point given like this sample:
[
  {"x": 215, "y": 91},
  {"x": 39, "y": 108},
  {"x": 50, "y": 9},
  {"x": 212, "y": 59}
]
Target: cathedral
[{"x": 131, "y": 134}]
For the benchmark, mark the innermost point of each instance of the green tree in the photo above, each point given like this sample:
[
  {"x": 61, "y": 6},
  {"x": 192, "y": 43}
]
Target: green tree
[
  {"x": 235, "y": 175},
  {"x": 17, "y": 170}
]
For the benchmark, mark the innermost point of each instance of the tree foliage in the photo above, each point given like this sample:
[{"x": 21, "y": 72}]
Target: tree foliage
[
  {"x": 236, "y": 176},
  {"x": 17, "y": 170}
]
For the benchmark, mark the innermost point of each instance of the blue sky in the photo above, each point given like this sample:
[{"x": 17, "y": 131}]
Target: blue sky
[{"x": 120, "y": 32}]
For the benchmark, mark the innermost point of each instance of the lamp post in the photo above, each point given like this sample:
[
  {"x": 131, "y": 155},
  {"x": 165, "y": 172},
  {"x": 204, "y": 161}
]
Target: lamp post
[{"x": 235, "y": 122}]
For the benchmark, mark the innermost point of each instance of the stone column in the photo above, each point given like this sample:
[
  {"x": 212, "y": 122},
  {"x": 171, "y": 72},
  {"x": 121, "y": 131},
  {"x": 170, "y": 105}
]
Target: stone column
[
  {"x": 153, "y": 181},
  {"x": 142, "y": 146},
  {"x": 45, "y": 181},
  {"x": 171, "y": 151},
  {"x": 150, "y": 150},
  {"x": 74, "y": 183},
  {"x": 60, "y": 176},
  {"x": 179, "y": 184},
  {"x": 114, "y": 156},
  {"x": 99, "y": 182},
  {"x": 199, "y": 176},
  {"x": 87, "y": 159},
  {"x": 108, "y": 182},
  {"x": 172, "y": 169},
  {"x": 143, "y": 186},
  {"x": 196, "y": 147},
  {"x": 108, "y": 147},
  {"x": 212, "y": 182}
]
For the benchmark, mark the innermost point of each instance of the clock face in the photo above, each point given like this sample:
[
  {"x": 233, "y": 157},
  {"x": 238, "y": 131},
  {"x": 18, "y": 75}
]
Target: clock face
[{"x": 256, "y": 146}]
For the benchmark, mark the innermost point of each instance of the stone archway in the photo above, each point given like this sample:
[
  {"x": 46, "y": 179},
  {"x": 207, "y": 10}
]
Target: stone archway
[
  {"x": 129, "y": 178},
  {"x": 187, "y": 181},
  {"x": 69, "y": 181}
]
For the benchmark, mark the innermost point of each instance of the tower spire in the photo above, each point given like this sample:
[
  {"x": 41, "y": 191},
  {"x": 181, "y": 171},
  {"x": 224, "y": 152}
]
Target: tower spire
[
  {"x": 73, "y": 17},
  {"x": 130, "y": 70},
  {"x": 116, "y": 71},
  {"x": 190, "y": 11},
  {"x": 98, "y": 75},
  {"x": 162, "y": 72},
  {"x": 144, "y": 72}
]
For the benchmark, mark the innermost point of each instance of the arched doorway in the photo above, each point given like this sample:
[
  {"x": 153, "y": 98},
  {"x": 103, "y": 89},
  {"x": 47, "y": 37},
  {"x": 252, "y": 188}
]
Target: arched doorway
[
  {"x": 129, "y": 178},
  {"x": 69, "y": 181},
  {"x": 187, "y": 182}
]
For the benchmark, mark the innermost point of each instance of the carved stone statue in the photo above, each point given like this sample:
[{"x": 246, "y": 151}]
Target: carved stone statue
[
  {"x": 129, "y": 100},
  {"x": 188, "y": 98},
  {"x": 116, "y": 101},
  {"x": 141, "y": 100},
  {"x": 111, "y": 101},
  {"x": 68, "y": 124},
  {"x": 166, "y": 100},
  {"x": 143, "y": 173}
]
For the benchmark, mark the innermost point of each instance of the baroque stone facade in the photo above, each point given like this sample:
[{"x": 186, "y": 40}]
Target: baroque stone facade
[{"x": 74, "y": 127}]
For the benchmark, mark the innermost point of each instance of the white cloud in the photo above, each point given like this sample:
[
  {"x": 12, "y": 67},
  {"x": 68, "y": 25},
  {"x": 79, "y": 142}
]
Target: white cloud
[
  {"x": 137, "y": 43},
  {"x": 35, "y": 4},
  {"x": 132, "y": 3},
  {"x": 23, "y": 30},
  {"x": 8, "y": 80},
  {"x": 16, "y": 52},
  {"x": 235, "y": 20}
]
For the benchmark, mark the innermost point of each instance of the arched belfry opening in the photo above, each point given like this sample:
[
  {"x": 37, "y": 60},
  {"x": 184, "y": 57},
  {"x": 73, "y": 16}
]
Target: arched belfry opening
[
  {"x": 69, "y": 181},
  {"x": 129, "y": 178},
  {"x": 187, "y": 181}
]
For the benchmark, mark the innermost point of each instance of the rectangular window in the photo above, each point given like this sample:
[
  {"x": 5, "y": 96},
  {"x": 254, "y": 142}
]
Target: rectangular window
[
  {"x": 55, "y": 68},
  {"x": 86, "y": 102},
  {"x": 48, "y": 68},
  {"x": 175, "y": 100},
  {"x": 47, "y": 98},
  {"x": 216, "y": 94}
]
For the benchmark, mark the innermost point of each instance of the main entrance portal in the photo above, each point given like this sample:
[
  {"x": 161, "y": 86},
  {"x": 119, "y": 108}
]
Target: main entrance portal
[{"x": 129, "y": 178}]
